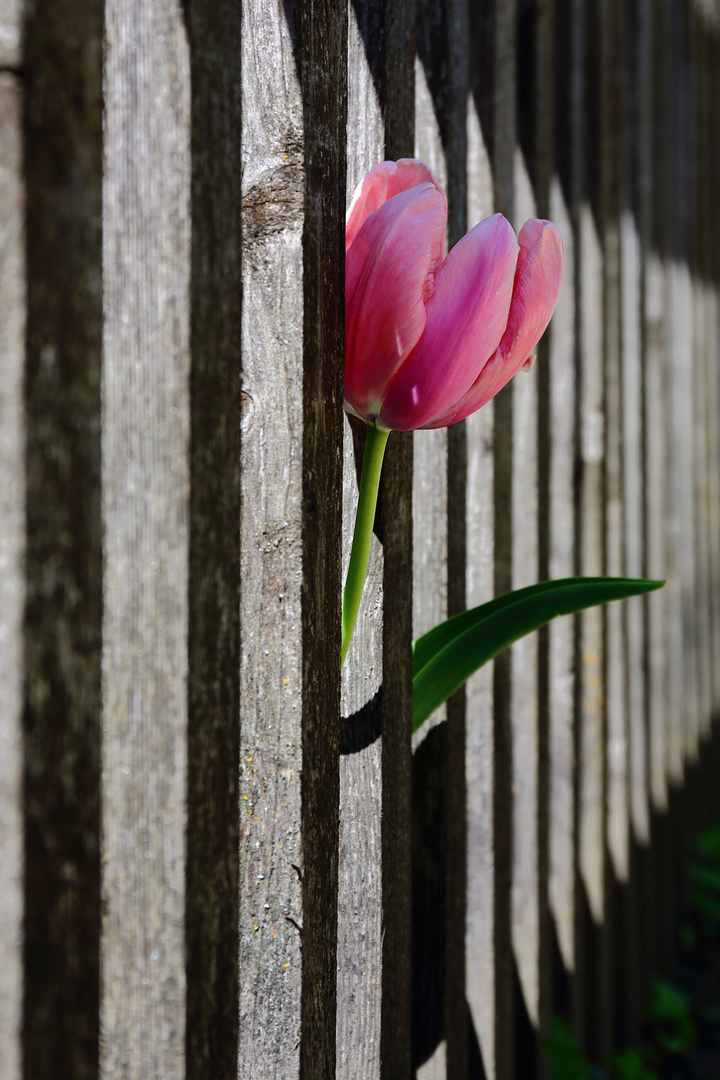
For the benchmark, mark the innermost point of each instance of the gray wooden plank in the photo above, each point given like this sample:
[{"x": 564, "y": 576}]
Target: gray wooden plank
[
  {"x": 590, "y": 690},
  {"x": 591, "y": 749},
  {"x": 360, "y": 984},
  {"x": 504, "y": 106},
  {"x": 271, "y": 481},
  {"x": 524, "y": 653},
  {"x": 479, "y": 753},
  {"x": 430, "y": 589},
  {"x": 538, "y": 116},
  {"x": 396, "y": 522},
  {"x": 654, "y": 404},
  {"x": 62, "y": 157},
  {"x": 611, "y": 170},
  {"x": 146, "y": 428},
  {"x": 211, "y": 922},
  {"x": 701, "y": 214},
  {"x": 373, "y": 1008},
  {"x": 11, "y": 12},
  {"x": 290, "y": 540},
  {"x": 562, "y": 525},
  {"x": 459, "y": 1037},
  {"x": 631, "y": 377},
  {"x": 271, "y": 551},
  {"x": 12, "y": 493},
  {"x": 561, "y": 680}
]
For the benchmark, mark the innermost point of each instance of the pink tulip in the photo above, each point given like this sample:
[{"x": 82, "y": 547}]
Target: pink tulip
[{"x": 429, "y": 339}]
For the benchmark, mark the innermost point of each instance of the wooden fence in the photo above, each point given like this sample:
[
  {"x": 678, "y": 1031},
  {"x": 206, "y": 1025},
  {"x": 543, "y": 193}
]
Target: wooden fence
[{"x": 218, "y": 857}]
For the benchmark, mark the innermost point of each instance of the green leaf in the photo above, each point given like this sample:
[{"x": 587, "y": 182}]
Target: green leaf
[
  {"x": 670, "y": 1012},
  {"x": 567, "y": 1061},
  {"x": 445, "y": 657},
  {"x": 705, "y": 876},
  {"x": 629, "y": 1065},
  {"x": 707, "y": 844}
]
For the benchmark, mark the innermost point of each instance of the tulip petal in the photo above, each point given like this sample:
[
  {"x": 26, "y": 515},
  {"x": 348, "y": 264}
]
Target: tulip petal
[
  {"x": 389, "y": 275},
  {"x": 466, "y": 318},
  {"x": 387, "y": 179},
  {"x": 537, "y": 286}
]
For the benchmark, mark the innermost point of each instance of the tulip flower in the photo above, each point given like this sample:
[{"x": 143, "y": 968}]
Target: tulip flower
[{"x": 431, "y": 338}]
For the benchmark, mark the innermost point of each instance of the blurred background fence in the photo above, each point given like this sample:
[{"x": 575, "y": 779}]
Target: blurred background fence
[{"x": 218, "y": 858}]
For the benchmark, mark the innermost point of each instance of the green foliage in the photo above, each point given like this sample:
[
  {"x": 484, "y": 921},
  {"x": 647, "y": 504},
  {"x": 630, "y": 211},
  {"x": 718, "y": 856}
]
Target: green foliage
[
  {"x": 674, "y": 1027},
  {"x": 445, "y": 657},
  {"x": 707, "y": 844},
  {"x": 704, "y": 874},
  {"x": 567, "y": 1061},
  {"x": 629, "y": 1065}
]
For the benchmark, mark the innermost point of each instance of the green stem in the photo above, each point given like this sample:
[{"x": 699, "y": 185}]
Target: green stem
[{"x": 375, "y": 443}]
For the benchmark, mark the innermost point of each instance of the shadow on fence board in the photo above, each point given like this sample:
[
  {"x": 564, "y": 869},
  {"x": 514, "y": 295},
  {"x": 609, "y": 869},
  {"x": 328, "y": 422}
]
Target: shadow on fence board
[{"x": 219, "y": 856}]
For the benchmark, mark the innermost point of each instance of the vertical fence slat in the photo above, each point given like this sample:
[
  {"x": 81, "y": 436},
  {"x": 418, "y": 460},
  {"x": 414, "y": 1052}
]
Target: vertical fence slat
[
  {"x": 359, "y": 1002},
  {"x": 480, "y": 948},
  {"x": 459, "y": 1036},
  {"x": 430, "y": 606},
  {"x": 561, "y": 505},
  {"x": 633, "y": 937},
  {"x": 713, "y": 386},
  {"x": 396, "y": 520},
  {"x": 12, "y": 492},
  {"x": 615, "y": 703},
  {"x": 374, "y": 901},
  {"x": 700, "y": 378},
  {"x": 561, "y": 528},
  {"x": 590, "y": 698},
  {"x": 654, "y": 424},
  {"x": 544, "y": 163},
  {"x": 292, "y": 146},
  {"x": 271, "y": 547},
  {"x": 524, "y": 709},
  {"x": 63, "y": 610},
  {"x": 680, "y": 509},
  {"x": 145, "y": 499}
]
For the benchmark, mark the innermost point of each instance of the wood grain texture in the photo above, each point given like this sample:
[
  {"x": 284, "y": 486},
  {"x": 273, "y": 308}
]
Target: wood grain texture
[
  {"x": 525, "y": 571},
  {"x": 271, "y": 676},
  {"x": 609, "y": 158},
  {"x": 146, "y": 430},
  {"x": 460, "y": 1038},
  {"x": 396, "y": 522},
  {"x": 360, "y": 898},
  {"x": 479, "y": 540},
  {"x": 478, "y": 449},
  {"x": 12, "y": 588},
  {"x": 63, "y": 603},
  {"x": 430, "y": 607},
  {"x": 211, "y": 911},
  {"x": 698, "y": 249},
  {"x": 654, "y": 405},
  {"x": 632, "y": 383},
  {"x": 561, "y": 526}
]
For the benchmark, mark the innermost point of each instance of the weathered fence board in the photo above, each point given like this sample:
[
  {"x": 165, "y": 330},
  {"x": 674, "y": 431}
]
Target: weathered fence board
[
  {"x": 12, "y": 327},
  {"x": 146, "y": 429},
  {"x": 219, "y": 855},
  {"x": 271, "y": 549},
  {"x": 562, "y": 525},
  {"x": 481, "y": 865}
]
